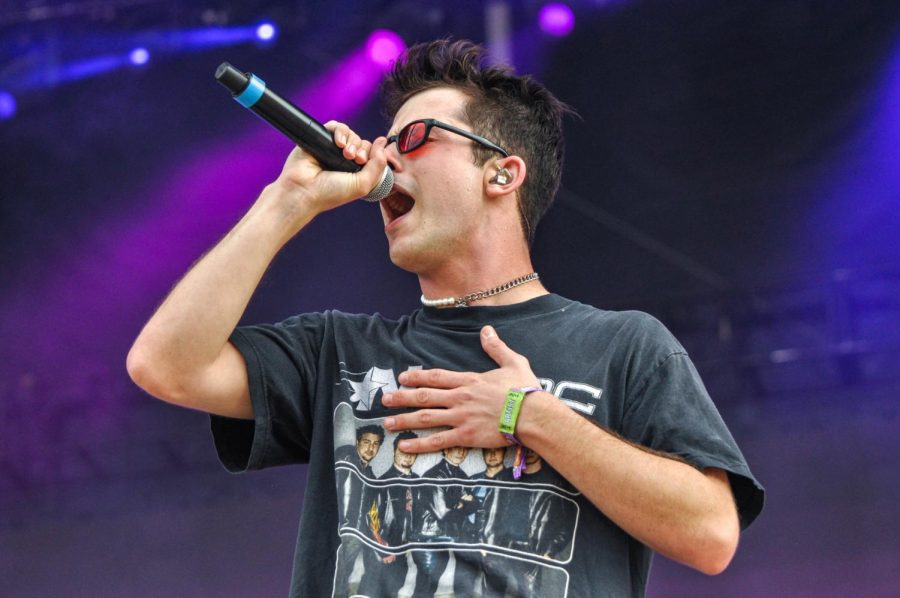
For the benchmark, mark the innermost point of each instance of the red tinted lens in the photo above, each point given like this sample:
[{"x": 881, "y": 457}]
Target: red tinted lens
[{"x": 411, "y": 137}]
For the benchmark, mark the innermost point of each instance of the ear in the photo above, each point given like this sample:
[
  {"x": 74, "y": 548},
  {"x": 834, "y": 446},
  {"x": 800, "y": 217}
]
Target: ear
[{"x": 503, "y": 176}]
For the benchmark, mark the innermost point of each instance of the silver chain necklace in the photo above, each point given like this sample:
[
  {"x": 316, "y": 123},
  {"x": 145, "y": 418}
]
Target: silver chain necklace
[{"x": 479, "y": 295}]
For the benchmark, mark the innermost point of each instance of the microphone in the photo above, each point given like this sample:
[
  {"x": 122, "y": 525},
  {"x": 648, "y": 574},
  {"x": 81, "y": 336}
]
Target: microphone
[{"x": 250, "y": 92}]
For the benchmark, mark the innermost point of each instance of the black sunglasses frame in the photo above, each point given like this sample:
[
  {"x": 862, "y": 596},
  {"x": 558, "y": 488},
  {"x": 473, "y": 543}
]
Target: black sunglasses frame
[{"x": 430, "y": 123}]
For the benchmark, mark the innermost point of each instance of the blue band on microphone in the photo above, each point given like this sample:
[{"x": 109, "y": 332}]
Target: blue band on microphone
[{"x": 252, "y": 92}]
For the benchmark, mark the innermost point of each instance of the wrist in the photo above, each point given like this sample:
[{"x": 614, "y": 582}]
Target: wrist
[
  {"x": 282, "y": 210},
  {"x": 534, "y": 417},
  {"x": 508, "y": 424}
]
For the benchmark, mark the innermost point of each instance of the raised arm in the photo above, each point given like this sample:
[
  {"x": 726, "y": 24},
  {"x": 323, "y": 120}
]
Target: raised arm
[{"x": 183, "y": 355}]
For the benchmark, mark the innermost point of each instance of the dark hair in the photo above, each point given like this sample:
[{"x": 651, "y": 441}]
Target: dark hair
[
  {"x": 405, "y": 435},
  {"x": 516, "y": 112},
  {"x": 372, "y": 429}
]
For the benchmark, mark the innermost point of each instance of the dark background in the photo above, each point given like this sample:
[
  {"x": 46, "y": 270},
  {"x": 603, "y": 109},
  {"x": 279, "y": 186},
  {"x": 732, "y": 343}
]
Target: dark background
[{"x": 733, "y": 172}]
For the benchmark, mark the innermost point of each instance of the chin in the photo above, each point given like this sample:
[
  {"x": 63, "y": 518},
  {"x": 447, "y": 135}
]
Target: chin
[
  {"x": 405, "y": 258},
  {"x": 401, "y": 261},
  {"x": 421, "y": 254}
]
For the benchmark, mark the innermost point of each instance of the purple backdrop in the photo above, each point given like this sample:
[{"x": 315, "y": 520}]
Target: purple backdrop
[{"x": 733, "y": 173}]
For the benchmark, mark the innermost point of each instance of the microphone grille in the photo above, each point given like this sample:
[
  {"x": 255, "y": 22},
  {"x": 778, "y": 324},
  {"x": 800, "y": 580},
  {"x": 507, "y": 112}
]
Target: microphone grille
[{"x": 383, "y": 188}]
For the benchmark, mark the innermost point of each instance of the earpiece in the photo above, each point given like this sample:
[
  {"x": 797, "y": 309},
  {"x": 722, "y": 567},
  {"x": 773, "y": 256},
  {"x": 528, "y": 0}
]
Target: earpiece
[{"x": 502, "y": 177}]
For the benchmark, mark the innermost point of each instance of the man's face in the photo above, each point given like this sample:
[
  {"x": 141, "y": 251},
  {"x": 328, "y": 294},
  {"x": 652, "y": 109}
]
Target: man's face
[
  {"x": 532, "y": 457},
  {"x": 367, "y": 446},
  {"x": 445, "y": 221},
  {"x": 456, "y": 455},
  {"x": 404, "y": 461},
  {"x": 493, "y": 456}
]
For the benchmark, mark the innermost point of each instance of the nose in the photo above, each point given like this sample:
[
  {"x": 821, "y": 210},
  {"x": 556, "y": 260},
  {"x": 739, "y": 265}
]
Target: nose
[{"x": 393, "y": 157}]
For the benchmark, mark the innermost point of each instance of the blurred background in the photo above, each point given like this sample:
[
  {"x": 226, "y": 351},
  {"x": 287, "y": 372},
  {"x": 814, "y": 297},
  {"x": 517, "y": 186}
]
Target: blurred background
[{"x": 734, "y": 172}]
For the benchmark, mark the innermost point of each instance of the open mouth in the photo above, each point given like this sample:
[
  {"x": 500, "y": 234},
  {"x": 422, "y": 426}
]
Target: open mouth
[{"x": 397, "y": 204}]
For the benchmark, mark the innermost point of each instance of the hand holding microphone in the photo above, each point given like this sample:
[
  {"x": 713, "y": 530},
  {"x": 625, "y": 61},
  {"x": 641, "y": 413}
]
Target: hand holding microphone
[{"x": 251, "y": 92}]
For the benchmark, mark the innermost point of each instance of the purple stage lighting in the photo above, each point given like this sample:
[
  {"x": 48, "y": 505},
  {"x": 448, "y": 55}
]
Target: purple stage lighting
[
  {"x": 7, "y": 105},
  {"x": 384, "y": 47},
  {"x": 139, "y": 56},
  {"x": 556, "y": 19},
  {"x": 266, "y": 31}
]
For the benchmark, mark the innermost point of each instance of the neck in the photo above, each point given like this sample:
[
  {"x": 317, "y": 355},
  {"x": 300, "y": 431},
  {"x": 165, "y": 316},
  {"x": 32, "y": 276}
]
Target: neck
[
  {"x": 494, "y": 255},
  {"x": 465, "y": 277},
  {"x": 503, "y": 293}
]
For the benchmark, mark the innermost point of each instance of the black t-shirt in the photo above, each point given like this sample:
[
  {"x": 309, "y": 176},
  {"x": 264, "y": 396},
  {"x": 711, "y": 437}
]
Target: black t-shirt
[{"x": 317, "y": 378}]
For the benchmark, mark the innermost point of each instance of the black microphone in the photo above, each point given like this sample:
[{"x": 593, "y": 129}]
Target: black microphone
[{"x": 250, "y": 92}]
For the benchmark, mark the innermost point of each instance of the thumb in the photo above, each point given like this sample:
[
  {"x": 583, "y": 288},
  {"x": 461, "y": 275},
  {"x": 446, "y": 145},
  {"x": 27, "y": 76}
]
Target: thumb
[{"x": 495, "y": 347}]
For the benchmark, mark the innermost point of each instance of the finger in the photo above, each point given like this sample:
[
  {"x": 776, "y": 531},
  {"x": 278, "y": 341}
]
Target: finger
[
  {"x": 370, "y": 175},
  {"x": 350, "y": 142},
  {"x": 429, "y": 444},
  {"x": 497, "y": 349},
  {"x": 436, "y": 378},
  {"x": 352, "y": 146},
  {"x": 418, "y": 398},
  {"x": 362, "y": 155},
  {"x": 419, "y": 420},
  {"x": 339, "y": 132}
]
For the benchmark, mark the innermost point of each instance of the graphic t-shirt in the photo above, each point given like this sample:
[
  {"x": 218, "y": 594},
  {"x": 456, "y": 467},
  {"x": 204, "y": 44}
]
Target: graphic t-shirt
[{"x": 316, "y": 383}]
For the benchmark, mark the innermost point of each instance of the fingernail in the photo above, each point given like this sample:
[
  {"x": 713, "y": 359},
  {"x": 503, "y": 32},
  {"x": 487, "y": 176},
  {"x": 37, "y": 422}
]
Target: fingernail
[
  {"x": 351, "y": 149},
  {"x": 387, "y": 398},
  {"x": 405, "y": 445},
  {"x": 362, "y": 153},
  {"x": 402, "y": 377},
  {"x": 488, "y": 332},
  {"x": 342, "y": 138},
  {"x": 389, "y": 422}
]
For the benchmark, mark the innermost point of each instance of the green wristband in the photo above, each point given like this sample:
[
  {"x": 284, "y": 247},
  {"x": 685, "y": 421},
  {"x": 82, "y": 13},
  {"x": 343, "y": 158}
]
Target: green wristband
[
  {"x": 510, "y": 413},
  {"x": 508, "y": 418},
  {"x": 511, "y": 407}
]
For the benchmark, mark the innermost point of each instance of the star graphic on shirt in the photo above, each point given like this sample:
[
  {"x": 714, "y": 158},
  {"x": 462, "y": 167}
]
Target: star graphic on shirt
[{"x": 364, "y": 391}]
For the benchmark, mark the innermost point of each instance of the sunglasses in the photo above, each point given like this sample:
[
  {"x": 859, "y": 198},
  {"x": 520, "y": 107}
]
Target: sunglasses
[{"x": 415, "y": 134}]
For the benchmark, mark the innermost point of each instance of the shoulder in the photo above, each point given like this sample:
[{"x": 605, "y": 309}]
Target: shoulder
[
  {"x": 505, "y": 475},
  {"x": 375, "y": 324},
  {"x": 642, "y": 327},
  {"x": 392, "y": 472},
  {"x": 628, "y": 328},
  {"x": 320, "y": 325},
  {"x": 335, "y": 316},
  {"x": 439, "y": 468},
  {"x": 345, "y": 453}
]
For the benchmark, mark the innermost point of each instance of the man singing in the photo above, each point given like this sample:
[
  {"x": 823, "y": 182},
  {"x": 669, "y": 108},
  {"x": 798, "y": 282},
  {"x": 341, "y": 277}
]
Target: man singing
[{"x": 610, "y": 401}]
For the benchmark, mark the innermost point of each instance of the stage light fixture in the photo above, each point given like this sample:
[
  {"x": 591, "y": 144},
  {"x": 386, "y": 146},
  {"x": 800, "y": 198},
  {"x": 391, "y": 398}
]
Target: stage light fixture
[
  {"x": 384, "y": 46},
  {"x": 7, "y": 105},
  {"x": 266, "y": 31},
  {"x": 556, "y": 19},
  {"x": 139, "y": 56}
]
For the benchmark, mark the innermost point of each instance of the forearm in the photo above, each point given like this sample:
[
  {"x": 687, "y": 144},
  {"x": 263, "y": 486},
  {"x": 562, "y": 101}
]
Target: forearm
[
  {"x": 684, "y": 513},
  {"x": 674, "y": 508},
  {"x": 189, "y": 331}
]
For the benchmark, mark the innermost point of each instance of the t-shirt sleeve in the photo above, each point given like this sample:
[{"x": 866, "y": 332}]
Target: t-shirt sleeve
[
  {"x": 668, "y": 409},
  {"x": 281, "y": 373}
]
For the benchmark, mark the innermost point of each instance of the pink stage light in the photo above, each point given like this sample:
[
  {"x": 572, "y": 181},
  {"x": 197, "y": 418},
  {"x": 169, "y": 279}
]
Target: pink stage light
[
  {"x": 384, "y": 46},
  {"x": 556, "y": 19},
  {"x": 136, "y": 254}
]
